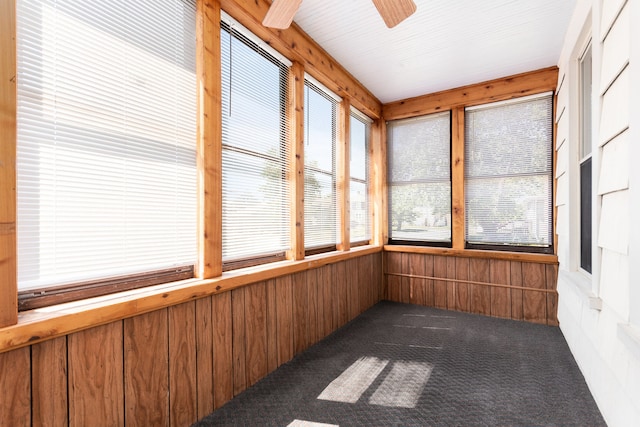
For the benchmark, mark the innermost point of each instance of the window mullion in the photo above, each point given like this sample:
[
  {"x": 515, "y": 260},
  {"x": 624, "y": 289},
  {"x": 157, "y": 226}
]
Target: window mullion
[
  {"x": 209, "y": 140},
  {"x": 8, "y": 267},
  {"x": 343, "y": 173},
  {"x": 295, "y": 112},
  {"x": 457, "y": 179}
]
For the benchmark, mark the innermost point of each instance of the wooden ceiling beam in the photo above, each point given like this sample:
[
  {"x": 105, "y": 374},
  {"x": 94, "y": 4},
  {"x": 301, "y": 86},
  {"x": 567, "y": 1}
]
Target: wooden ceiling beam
[
  {"x": 515, "y": 86},
  {"x": 296, "y": 45}
]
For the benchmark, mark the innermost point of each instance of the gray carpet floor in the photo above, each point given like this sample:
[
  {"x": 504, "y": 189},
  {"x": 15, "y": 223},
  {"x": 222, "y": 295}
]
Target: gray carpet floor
[{"x": 406, "y": 365}]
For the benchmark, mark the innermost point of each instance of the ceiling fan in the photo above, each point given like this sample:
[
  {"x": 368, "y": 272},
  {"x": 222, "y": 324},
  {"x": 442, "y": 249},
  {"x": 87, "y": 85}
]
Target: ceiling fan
[{"x": 281, "y": 12}]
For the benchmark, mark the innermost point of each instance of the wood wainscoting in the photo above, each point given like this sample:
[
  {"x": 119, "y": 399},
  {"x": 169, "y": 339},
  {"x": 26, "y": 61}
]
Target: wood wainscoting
[
  {"x": 175, "y": 365},
  {"x": 500, "y": 287}
]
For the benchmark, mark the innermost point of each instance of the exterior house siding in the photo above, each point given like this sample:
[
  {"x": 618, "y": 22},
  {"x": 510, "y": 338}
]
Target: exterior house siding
[{"x": 595, "y": 311}]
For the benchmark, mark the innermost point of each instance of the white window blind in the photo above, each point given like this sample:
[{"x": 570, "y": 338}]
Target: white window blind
[
  {"x": 360, "y": 228},
  {"x": 508, "y": 173},
  {"x": 255, "y": 192},
  {"x": 320, "y": 221},
  {"x": 106, "y": 139},
  {"x": 419, "y": 161}
]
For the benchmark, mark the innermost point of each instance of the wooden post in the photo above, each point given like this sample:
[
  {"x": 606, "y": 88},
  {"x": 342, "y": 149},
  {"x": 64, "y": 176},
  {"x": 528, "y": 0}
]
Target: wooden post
[
  {"x": 457, "y": 178},
  {"x": 344, "y": 173},
  {"x": 209, "y": 151},
  {"x": 378, "y": 191},
  {"x": 295, "y": 112},
  {"x": 8, "y": 267}
]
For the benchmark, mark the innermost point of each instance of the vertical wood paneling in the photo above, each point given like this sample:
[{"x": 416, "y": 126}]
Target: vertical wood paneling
[
  {"x": 365, "y": 269},
  {"x": 451, "y": 286},
  {"x": 325, "y": 278},
  {"x": 353, "y": 274},
  {"x": 204, "y": 355},
  {"x": 96, "y": 387},
  {"x": 300, "y": 313},
  {"x": 480, "y": 296},
  {"x": 15, "y": 388},
  {"x": 516, "y": 294},
  {"x": 418, "y": 287},
  {"x": 312, "y": 312},
  {"x": 256, "y": 330},
  {"x": 534, "y": 303},
  {"x": 284, "y": 309},
  {"x": 552, "y": 298},
  {"x": 321, "y": 305},
  {"x": 222, "y": 349},
  {"x": 339, "y": 273},
  {"x": 429, "y": 284},
  {"x": 376, "y": 278},
  {"x": 182, "y": 364},
  {"x": 462, "y": 289},
  {"x": 500, "y": 273},
  {"x": 439, "y": 286},
  {"x": 272, "y": 326},
  {"x": 48, "y": 382},
  {"x": 146, "y": 367},
  {"x": 405, "y": 289},
  {"x": 239, "y": 344},
  {"x": 394, "y": 265},
  {"x": 8, "y": 267}
]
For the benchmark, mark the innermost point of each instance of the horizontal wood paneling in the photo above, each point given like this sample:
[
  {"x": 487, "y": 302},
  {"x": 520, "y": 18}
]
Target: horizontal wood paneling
[
  {"x": 504, "y": 288},
  {"x": 172, "y": 366}
]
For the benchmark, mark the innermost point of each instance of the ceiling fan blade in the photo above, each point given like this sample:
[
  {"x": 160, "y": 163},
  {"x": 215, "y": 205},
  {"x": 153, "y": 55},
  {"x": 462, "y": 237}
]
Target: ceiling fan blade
[
  {"x": 280, "y": 13},
  {"x": 394, "y": 12}
]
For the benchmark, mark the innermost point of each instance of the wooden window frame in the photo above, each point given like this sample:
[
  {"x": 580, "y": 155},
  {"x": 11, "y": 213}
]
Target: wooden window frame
[
  {"x": 456, "y": 100},
  {"x": 431, "y": 243},
  {"x": 305, "y": 55}
]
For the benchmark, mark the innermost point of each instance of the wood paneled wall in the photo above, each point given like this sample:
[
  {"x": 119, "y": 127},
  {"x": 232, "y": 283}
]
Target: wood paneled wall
[
  {"x": 511, "y": 289},
  {"x": 172, "y": 366}
]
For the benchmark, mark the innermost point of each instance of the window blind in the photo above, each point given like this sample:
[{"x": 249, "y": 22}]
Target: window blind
[
  {"x": 360, "y": 206},
  {"x": 320, "y": 220},
  {"x": 419, "y": 179},
  {"x": 255, "y": 192},
  {"x": 106, "y": 160},
  {"x": 508, "y": 172}
]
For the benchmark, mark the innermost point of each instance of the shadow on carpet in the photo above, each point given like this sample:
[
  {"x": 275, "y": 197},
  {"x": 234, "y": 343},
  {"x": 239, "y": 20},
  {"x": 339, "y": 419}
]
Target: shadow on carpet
[{"x": 406, "y": 365}]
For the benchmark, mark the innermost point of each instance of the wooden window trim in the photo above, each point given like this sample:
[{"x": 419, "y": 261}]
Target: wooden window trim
[
  {"x": 475, "y": 253},
  {"x": 8, "y": 259},
  {"x": 42, "y": 297},
  {"x": 54, "y": 321},
  {"x": 456, "y": 100},
  {"x": 294, "y": 44}
]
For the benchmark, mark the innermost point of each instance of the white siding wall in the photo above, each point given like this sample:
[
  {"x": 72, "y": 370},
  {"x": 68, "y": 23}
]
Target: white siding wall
[{"x": 598, "y": 314}]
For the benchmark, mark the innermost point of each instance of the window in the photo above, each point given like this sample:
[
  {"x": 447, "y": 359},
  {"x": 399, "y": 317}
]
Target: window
[
  {"x": 508, "y": 174},
  {"x": 320, "y": 124},
  {"x": 106, "y": 141},
  {"x": 360, "y": 224},
  {"x": 255, "y": 192},
  {"x": 419, "y": 151},
  {"x": 585, "y": 160}
]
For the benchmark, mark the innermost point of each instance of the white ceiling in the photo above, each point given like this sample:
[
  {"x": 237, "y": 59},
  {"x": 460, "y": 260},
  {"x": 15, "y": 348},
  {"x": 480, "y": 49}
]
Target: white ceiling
[{"x": 445, "y": 44}]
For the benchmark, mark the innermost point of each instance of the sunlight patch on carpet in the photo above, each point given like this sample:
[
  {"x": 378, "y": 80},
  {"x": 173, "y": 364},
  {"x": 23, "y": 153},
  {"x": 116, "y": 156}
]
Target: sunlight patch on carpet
[
  {"x": 403, "y": 386},
  {"x": 354, "y": 381}
]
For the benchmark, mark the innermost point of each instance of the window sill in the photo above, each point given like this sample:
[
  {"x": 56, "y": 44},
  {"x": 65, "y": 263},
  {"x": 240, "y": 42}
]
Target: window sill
[
  {"x": 475, "y": 253},
  {"x": 50, "y": 322}
]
